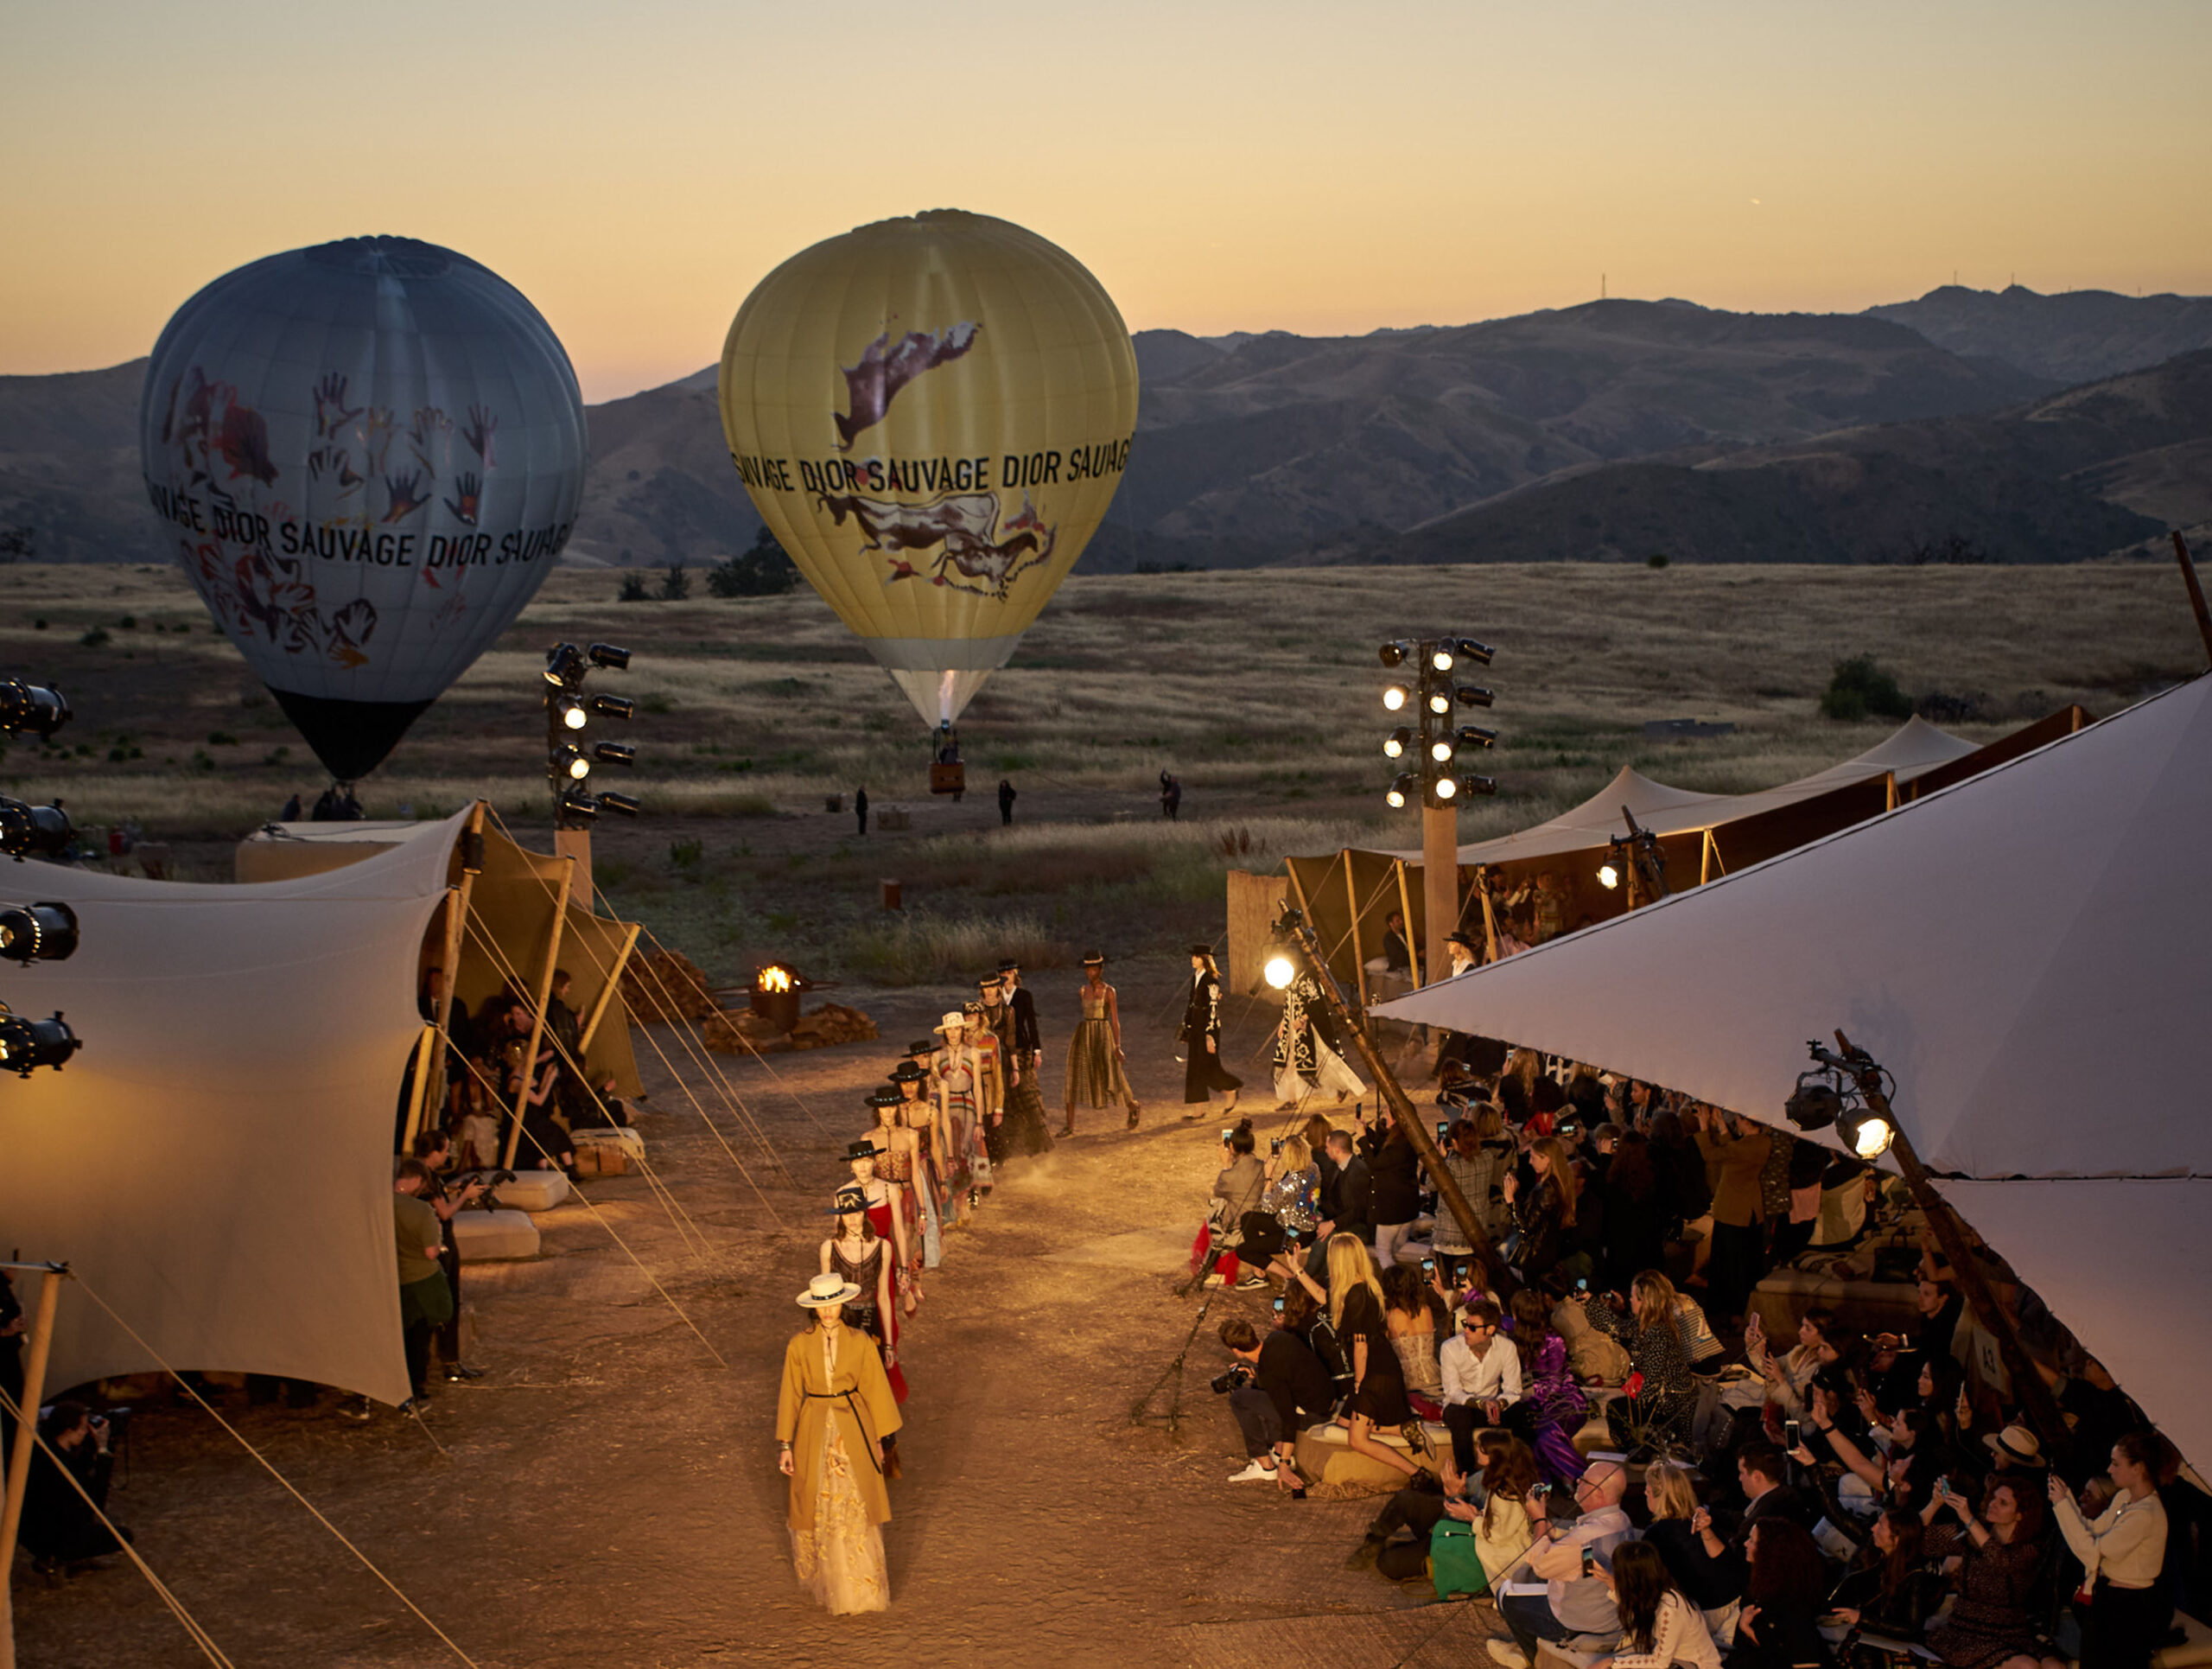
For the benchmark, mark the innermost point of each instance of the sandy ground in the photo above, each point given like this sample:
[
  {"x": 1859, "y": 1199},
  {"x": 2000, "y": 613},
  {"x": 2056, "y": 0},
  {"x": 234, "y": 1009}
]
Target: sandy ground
[{"x": 608, "y": 1495}]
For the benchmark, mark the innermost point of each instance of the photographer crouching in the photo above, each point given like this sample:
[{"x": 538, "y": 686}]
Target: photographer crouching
[{"x": 1276, "y": 1387}]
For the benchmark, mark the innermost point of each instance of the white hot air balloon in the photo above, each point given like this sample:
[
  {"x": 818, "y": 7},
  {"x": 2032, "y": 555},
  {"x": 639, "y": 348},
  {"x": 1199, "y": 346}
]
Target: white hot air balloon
[{"x": 368, "y": 455}]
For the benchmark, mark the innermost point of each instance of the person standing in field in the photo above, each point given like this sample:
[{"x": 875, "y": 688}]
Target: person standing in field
[
  {"x": 1006, "y": 804},
  {"x": 860, "y": 807}
]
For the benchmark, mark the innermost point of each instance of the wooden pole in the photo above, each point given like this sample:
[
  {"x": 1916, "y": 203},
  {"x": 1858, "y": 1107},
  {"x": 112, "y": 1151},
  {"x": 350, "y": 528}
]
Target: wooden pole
[
  {"x": 1483, "y": 882},
  {"x": 2195, "y": 592},
  {"x": 1418, "y": 958},
  {"x": 1447, "y": 1190},
  {"x": 2035, "y": 1397},
  {"x": 538, "y": 1012},
  {"x": 426, "y": 1050},
  {"x": 1439, "y": 879},
  {"x": 1359, "y": 955},
  {"x": 1889, "y": 791},
  {"x": 1705, "y": 858},
  {"x": 606, "y": 992},
  {"x": 19, "y": 1463},
  {"x": 456, "y": 922}
]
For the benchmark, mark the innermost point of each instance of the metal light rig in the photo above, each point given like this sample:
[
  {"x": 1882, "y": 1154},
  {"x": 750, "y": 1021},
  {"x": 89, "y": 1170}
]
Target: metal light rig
[
  {"x": 1437, "y": 747},
  {"x": 38, "y": 930},
  {"x": 568, "y": 710}
]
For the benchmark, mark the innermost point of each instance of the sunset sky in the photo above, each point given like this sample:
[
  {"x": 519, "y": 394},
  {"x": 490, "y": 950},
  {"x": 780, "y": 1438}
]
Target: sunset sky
[{"x": 1220, "y": 165}]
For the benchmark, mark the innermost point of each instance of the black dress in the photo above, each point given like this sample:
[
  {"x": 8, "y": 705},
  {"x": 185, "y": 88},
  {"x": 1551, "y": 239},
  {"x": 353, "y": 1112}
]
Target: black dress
[
  {"x": 1203, "y": 1072},
  {"x": 1382, "y": 1393}
]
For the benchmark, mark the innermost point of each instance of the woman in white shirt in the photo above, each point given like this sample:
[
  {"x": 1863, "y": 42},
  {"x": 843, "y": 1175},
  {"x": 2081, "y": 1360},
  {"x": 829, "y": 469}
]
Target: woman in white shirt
[
  {"x": 2122, "y": 1552},
  {"x": 1659, "y": 1626}
]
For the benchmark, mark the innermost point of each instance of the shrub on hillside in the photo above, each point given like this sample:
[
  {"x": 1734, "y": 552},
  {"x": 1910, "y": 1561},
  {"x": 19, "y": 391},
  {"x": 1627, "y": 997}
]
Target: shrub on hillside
[
  {"x": 760, "y": 571},
  {"x": 1861, "y": 689}
]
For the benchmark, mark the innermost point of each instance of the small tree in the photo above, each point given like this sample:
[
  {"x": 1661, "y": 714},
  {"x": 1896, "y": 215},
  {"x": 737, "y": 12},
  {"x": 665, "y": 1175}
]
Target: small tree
[
  {"x": 1862, "y": 689},
  {"x": 633, "y": 589},
  {"x": 676, "y": 584},
  {"x": 761, "y": 569}
]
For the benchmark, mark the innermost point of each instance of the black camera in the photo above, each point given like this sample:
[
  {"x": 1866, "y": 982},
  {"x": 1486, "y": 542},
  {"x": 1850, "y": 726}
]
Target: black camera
[{"x": 1224, "y": 1383}]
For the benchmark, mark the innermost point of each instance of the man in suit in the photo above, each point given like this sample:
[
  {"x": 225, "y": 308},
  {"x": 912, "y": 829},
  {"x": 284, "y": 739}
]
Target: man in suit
[
  {"x": 1764, "y": 1472},
  {"x": 1347, "y": 1205},
  {"x": 1028, "y": 1044}
]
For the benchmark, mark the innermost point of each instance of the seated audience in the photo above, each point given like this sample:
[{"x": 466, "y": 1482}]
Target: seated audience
[
  {"x": 1664, "y": 1397},
  {"x": 1552, "y": 1406},
  {"x": 1784, "y": 1592},
  {"x": 1279, "y": 1390},
  {"x": 1660, "y": 1625},
  {"x": 1707, "y": 1569},
  {"x": 1998, "y": 1615},
  {"x": 1356, "y": 1303},
  {"x": 1481, "y": 1374},
  {"x": 1289, "y": 1206},
  {"x": 1416, "y": 1316},
  {"x": 1889, "y": 1590},
  {"x": 1576, "y": 1608}
]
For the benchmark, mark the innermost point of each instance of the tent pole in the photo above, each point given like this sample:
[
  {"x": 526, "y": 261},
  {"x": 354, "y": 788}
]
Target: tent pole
[
  {"x": 1418, "y": 958},
  {"x": 425, "y": 1051},
  {"x": 2035, "y": 1397},
  {"x": 1359, "y": 958},
  {"x": 1301, "y": 933},
  {"x": 1889, "y": 791},
  {"x": 19, "y": 1463},
  {"x": 2195, "y": 594},
  {"x": 457, "y": 915},
  {"x": 1439, "y": 879},
  {"x": 1704, "y": 859},
  {"x": 606, "y": 992},
  {"x": 538, "y": 1011},
  {"x": 1483, "y": 883}
]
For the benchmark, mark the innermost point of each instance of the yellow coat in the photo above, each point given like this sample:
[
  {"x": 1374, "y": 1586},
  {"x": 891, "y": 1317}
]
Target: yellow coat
[{"x": 870, "y": 1412}]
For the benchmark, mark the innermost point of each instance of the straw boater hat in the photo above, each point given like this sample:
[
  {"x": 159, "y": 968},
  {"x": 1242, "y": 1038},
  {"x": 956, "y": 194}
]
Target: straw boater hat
[
  {"x": 988, "y": 982},
  {"x": 954, "y": 1021},
  {"x": 2016, "y": 1443},
  {"x": 824, "y": 1290}
]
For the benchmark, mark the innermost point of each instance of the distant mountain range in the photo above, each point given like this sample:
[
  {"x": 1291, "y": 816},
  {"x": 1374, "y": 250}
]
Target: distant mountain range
[{"x": 2003, "y": 425}]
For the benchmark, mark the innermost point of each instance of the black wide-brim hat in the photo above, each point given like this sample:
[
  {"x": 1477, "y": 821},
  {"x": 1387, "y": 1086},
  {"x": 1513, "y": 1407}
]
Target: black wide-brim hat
[
  {"x": 907, "y": 1072},
  {"x": 1202, "y": 950},
  {"x": 924, "y": 1046},
  {"x": 1008, "y": 965},
  {"x": 885, "y": 1098},
  {"x": 867, "y": 1150}
]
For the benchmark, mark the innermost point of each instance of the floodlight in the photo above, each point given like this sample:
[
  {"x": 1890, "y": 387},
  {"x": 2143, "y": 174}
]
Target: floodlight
[
  {"x": 1478, "y": 785},
  {"x": 1440, "y": 659},
  {"x": 1815, "y": 1104},
  {"x": 1474, "y": 695},
  {"x": 1608, "y": 876},
  {"x": 565, "y": 665},
  {"x": 1399, "y": 791},
  {"x": 1440, "y": 701},
  {"x": 1279, "y": 971},
  {"x": 37, "y": 933},
  {"x": 608, "y": 655},
  {"x": 571, "y": 763},
  {"x": 1441, "y": 750},
  {"x": 27, "y": 1044},
  {"x": 1469, "y": 649},
  {"x": 620, "y": 804},
  {"x": 573, "y": 714},
  {"x": 1394, "y": 697},
  {"x": 34, "y": 831},
  {"x": 1395, "y": 744},
  {"x": 31, "y": 709},
  {"x": 1394, "y": 653},
  {"x": 578, "y": 805},
  {"x": 1445, "y": 789},
  {"x": 614, "y": 752},
  {"x": 612, "y": 706},
  {"x": 1866, "y": 1134},
  {"x": 1473, "y": 735}
]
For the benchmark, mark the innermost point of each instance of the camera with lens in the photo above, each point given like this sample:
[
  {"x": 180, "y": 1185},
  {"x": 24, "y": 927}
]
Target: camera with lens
[
  {"x": 1224, "y": 1383},
  {"x": 492, "y": 1182}
]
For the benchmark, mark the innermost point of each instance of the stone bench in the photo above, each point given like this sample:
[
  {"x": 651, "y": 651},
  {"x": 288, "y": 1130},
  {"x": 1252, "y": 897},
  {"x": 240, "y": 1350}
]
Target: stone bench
[
  {"x": 533, "y": 1190},
  {"x": 491, "y": 1237}
]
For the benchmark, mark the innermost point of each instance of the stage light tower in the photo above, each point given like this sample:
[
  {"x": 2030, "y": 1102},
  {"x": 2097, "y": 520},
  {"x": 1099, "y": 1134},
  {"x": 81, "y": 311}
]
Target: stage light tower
[
  {"x": 569, "y": 761},
  {"x": 1440, "y": 749}
]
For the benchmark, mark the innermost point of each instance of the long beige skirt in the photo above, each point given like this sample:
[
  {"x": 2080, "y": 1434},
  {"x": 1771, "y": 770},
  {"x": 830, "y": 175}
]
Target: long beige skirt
[{"x": 839, "y": 1561}]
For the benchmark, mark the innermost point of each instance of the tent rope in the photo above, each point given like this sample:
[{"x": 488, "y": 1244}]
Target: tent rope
[
  {"x": 367, "y": 1564},
  {"x": 201, "y": 1637},
  {"x": 560, "y": 1048},
  {"x": 600, "y": 1217}
]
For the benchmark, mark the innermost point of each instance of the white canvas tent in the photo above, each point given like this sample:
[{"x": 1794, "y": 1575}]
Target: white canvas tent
[
  {"x": 215, "y": 1162},
  {"x": 2030, "y": 953}
]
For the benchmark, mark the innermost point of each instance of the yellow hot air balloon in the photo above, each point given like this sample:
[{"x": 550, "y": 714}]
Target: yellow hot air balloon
[{"x": 931, "y": 415}]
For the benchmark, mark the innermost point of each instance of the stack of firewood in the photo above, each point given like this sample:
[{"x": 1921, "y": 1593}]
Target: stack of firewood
[
  {"x": 666, "y": 986},
  {"x": 740, "y": 1031}
]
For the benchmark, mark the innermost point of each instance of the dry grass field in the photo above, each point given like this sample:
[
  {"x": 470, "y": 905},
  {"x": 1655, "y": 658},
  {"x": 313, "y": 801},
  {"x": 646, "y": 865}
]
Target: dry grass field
[{"x": 1258, "y": 689}]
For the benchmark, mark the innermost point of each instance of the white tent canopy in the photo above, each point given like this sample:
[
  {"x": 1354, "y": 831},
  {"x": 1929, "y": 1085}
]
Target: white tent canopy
[
  {"x": 215, "y": 1162},
  {"x": 2030, "y": 953},
  {"x": 1913, "y": 749}
]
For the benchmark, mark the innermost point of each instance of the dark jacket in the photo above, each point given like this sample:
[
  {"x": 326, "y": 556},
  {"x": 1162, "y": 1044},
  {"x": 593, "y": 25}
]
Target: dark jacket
[
  {"x": 1708, "y": 1583},
  {"x": 1025, "y": 1039},
  {"x": 1354, "y": 1211},
  {"x": 1396, "y": 1170},
  {"x": 1294, "y": 1379}
]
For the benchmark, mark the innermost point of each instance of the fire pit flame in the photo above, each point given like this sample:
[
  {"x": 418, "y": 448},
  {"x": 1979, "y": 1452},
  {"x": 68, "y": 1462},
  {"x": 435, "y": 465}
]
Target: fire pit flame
[{"x": 774, "y": 979}]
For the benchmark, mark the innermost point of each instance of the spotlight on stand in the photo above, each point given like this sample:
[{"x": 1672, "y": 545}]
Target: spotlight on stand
[
  {"x": 1473, "y": 735},
  {"x": 578, "y": 806},
  {"x": 614, "y": 752},
  {"x": 1478, "y": 785},
  {"x": 1394, "y": 697},
  {"x": 607, "y": 656},
  {"x": 27, "y": 1044},
  {"x": 612, "y": 707},
  {"x": 1402, "y": 790},
  {"x": 1440, "y": 657},
  {"x": 1393, "y": 655},
  {"x": 1838, "y": 1091},
  {"x": 34, "y": 831},
  {"x": 37, "y": 933},
  {"x": 1439, "y": 701},
  {"x": 1446, "y": 790},
  {"x": 572, "y": 713},
  {"x": 620, "y": 804},
  {"x": 1281, "y": 966},
  {"x": 1608, "y": 876},
  {"x": 565, "y": 666},
  {"x": 1469, "y": 649},
  {"x": 1473, "y": 695},
  {"x": 31, "y": 710},
  {"x": 1395, "y": 744},
  {"x": 572, "y": 764}
]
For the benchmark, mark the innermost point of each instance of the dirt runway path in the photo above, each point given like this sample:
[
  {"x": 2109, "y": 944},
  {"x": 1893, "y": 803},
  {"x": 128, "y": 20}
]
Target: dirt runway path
[{"x": 608, "y": 1495}]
